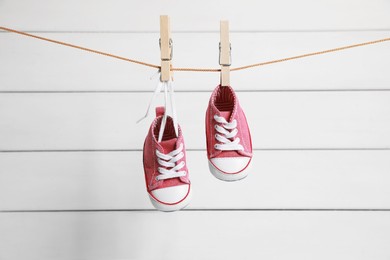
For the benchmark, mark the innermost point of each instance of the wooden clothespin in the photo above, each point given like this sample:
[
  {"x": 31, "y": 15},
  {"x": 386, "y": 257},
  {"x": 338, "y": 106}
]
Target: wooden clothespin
[
  {"x": 166, "y": 47},
  {"x": 225, "y": 53}
]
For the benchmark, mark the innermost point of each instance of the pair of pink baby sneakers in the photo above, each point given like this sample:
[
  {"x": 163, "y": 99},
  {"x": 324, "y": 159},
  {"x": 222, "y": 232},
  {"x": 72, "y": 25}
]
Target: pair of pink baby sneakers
[{"x": 229, "y": 151}]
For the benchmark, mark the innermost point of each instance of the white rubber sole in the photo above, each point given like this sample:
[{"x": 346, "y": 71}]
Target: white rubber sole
[
  {"x": 174, "y": 207},
  {"x": 226, "y": 176}
]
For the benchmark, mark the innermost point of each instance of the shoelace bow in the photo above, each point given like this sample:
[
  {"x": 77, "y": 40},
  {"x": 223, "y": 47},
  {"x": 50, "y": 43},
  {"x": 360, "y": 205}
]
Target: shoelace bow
[
  {"x": 224, "y": 135},
  {"x": 169, "y": 160},
  {"x": 168, "y": 88}
]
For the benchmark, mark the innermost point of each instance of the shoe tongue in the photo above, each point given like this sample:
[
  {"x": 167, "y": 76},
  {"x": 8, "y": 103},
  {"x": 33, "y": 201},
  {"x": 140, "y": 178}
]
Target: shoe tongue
[
  {"x": 160, "y": 111},
  {"x": 169, "y": 145},
  {"x": 226, "y": 115}
]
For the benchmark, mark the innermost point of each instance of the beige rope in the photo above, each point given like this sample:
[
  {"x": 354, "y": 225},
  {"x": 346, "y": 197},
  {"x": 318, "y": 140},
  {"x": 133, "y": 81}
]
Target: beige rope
[
  {"x": 311, "y": 54},
  {"x": 80, "y": 48},
  {"x": 196, "y": 69}
]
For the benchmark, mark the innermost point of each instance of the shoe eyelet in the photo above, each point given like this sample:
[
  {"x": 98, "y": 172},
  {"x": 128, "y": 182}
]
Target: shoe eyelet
[
  {"x": 215, "y": 126},
  {"x": 215, "y": 146}
]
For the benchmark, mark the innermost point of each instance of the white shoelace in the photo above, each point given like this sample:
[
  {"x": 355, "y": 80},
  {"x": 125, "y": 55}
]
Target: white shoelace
[
  {"x": 168, "y": 87},
  {"x": 224, "y": 135},
  {"x": 169, "y": 160}
]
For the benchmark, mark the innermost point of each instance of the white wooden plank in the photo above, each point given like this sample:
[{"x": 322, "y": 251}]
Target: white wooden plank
[
  {"x": 47, "y": 67},
  {"x": 278, "y": 180},
  {"x": 277, "y": 120},
  {"x": 198, "y": 15},
  {"x": 195, "y": 235}
]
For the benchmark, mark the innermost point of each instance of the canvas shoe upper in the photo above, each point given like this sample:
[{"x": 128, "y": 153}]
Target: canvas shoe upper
[
  {"x": 229, "y": 145},
  {"x": 166, "y": 173}
]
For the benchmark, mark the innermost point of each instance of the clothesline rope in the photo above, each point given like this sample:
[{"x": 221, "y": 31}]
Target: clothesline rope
[{"x": 196, "y": 69}]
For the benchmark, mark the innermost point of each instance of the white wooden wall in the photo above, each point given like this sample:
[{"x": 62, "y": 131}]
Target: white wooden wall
[{"x": 71, "y": 177}]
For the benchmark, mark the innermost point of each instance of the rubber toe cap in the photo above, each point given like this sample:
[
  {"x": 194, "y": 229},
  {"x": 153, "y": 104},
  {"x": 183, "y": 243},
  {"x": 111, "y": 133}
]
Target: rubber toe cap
[
  {"x": 231, "y": 165},
  {"x": 171, "y": 195}
]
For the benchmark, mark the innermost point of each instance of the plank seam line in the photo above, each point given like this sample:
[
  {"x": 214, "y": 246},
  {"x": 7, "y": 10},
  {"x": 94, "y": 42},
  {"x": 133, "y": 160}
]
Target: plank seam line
[
  {"x": 192, "y": 150},
  {"x": 199, "y": 209},
  {"x": 206, "y": 31},
  {"x": 184, "y": 91}
]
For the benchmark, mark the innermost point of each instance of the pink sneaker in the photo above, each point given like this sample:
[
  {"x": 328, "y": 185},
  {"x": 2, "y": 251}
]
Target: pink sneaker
[
  {"x": 229, "y": 144},
  {"x": 166, "y": 173}
]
